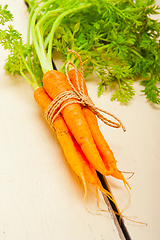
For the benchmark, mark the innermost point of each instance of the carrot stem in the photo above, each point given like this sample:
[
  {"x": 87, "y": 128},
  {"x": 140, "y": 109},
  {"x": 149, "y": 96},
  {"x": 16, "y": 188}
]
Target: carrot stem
[
  {"x": 50, "y": 36},
  {"x": 45, "y": 64},
  {"x": 29, "y": 35},
  {"x": 34, "y": 80},
  {"x": 47, "y": 16}
]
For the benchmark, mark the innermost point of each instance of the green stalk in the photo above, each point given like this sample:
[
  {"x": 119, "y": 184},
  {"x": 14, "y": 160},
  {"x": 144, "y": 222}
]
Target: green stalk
[
  {"x": 103, "y": 47},
  {"x": 45, "y": 64},
  {"x": 40, "y": 37},
  {"x": 25, "y": 77},
  {"x": 48, "y": 15},
  {"x": 50, "y": 36},
  {"x": 47, "y": 24},
  {"x": 29, "y": 35},
  {"x": 34, "y": 80},
  {"x": 135, "y": 52}
]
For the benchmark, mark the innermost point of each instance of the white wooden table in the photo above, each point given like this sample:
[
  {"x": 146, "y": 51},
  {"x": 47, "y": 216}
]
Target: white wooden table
[{"x": 40, "y": 197}]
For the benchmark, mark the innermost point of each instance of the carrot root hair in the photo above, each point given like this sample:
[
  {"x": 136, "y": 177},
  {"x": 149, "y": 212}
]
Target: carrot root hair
[
  {"x": 85, "y": 195},
  {"x": 131, "y": 174},
  {"x": 129, "y": 196},
  {"x": 134, "y": 221},
  {"x": 85, "y": 192}
]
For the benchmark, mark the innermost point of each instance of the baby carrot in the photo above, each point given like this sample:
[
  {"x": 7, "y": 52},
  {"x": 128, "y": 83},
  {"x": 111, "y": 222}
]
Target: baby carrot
[
  {"x": 55, "y": 83},
  {"x": 62, "y": 132}
]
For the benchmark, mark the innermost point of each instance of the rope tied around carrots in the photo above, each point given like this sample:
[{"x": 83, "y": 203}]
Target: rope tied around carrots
[{"x": 80, "y": 97}]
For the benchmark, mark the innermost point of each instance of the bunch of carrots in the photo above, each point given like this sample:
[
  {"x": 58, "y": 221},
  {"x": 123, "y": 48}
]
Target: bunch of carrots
[{"x": 77, "y": 129}]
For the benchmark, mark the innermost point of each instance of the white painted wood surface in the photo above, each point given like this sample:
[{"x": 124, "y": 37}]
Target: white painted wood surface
[{"x": 40, "y": 197}]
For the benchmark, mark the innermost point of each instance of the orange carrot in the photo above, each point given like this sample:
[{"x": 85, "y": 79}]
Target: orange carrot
[
  {"x": 55, "y": 83},
  {"x": 103, "y": 147},
  {"x": 62, "y": 132}
]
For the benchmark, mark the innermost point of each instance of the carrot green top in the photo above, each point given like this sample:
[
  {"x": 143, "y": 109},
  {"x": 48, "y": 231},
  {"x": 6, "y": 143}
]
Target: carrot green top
[{"x": 118, "y": 40}]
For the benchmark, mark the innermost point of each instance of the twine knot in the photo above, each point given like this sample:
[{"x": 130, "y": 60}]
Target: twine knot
[
  {"x": 77, "y": 96},
  {"x": 85, "y": 100}
]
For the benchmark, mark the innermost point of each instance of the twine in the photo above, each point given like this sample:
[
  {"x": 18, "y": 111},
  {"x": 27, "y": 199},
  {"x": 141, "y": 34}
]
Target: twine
[{"x": 55, "y": 107}]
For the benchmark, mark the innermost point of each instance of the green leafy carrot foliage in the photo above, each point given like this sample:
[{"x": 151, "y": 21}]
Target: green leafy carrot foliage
[
  {"x": 118, "y": 40},
  {"x": 5, "y": 15}
]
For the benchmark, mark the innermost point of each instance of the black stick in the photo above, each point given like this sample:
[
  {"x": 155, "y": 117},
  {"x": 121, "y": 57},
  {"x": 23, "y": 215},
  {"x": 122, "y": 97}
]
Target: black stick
[{"x": 116, "y": 212}]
